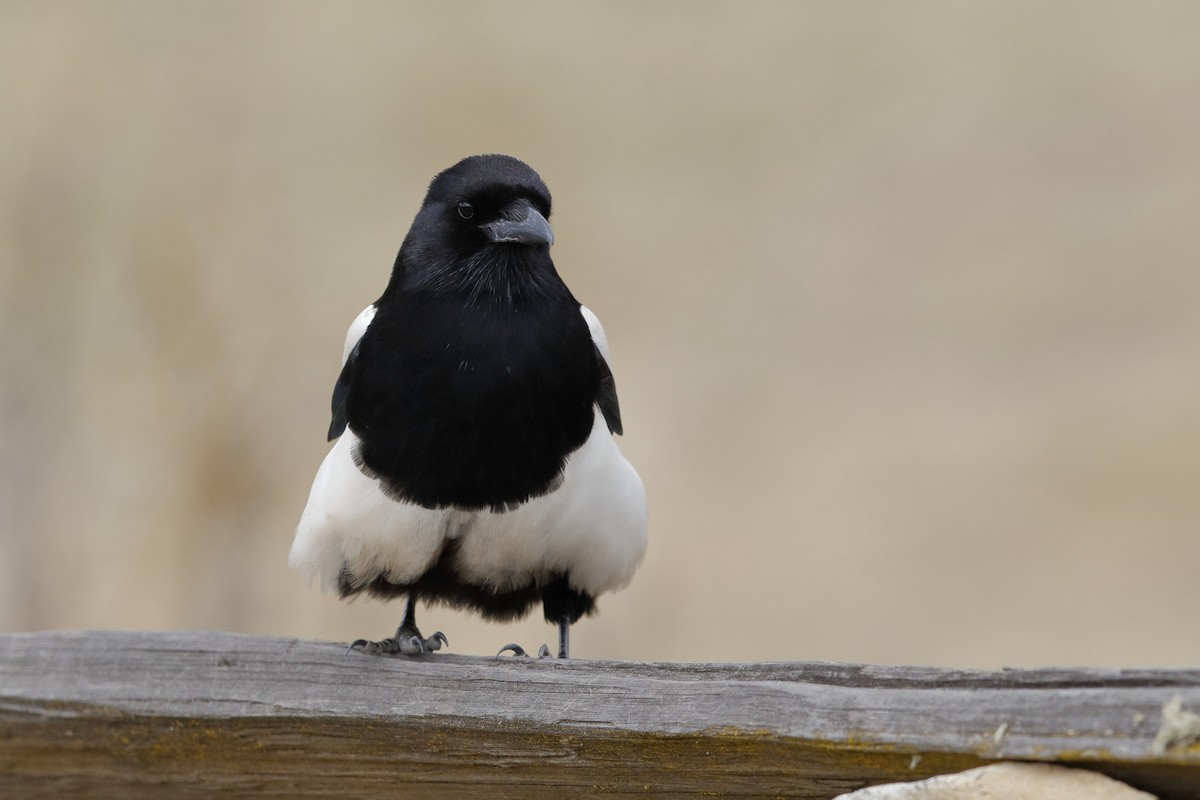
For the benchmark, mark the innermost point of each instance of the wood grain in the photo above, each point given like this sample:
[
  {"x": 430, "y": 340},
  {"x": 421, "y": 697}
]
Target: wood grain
[{"x": 185, "y": 714}]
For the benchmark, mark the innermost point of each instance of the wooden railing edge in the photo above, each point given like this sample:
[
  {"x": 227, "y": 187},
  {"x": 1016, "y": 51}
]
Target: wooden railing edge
[{"x": 182, "y": 714}]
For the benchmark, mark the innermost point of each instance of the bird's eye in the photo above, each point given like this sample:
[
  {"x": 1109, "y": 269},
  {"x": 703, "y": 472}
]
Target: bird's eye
[{"x": 466, "y": 210}]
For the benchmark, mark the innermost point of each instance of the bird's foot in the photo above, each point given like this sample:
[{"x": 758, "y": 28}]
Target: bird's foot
[
  {"x": 408, "y": 642},
  {"x": 517, "y": 650}
]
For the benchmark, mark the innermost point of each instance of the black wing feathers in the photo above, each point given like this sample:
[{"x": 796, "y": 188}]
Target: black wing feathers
[
  {"x": 606, "y": 397},
  {"x": 341, "y": 392}
]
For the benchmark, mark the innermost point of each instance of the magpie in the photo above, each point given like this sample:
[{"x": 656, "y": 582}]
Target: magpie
[{"x": 475, "y": 464}]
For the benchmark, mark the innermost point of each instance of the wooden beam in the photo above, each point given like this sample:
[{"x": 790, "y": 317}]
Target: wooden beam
[{"x": 166, "y": 715}]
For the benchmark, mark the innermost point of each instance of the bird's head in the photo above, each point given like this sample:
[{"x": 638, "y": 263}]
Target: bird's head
[{"x": 484, "y": 215}]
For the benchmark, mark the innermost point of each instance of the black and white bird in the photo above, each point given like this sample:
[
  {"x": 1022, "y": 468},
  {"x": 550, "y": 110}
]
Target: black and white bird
[{"x": 475, "y": 413}]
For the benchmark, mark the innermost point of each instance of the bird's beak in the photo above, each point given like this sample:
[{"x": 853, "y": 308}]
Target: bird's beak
[{"x": 520, "y": 223}]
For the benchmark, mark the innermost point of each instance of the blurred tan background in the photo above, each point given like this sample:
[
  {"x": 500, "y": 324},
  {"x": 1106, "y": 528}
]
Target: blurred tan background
[{"x": 903, "y": 299}]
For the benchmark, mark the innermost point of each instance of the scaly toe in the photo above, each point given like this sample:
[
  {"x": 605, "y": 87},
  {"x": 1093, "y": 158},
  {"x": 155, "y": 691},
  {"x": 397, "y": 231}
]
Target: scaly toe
[
  {"x": 385, "y": 647},
  {"x": 409, "y": 645}
]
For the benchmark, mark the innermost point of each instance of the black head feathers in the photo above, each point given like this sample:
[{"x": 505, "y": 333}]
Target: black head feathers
[{"x": 489, "y": 177}]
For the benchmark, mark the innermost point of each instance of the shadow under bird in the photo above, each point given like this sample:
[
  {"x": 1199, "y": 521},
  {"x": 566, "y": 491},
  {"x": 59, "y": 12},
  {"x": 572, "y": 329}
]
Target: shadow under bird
[{"x": 475, "y": 463}]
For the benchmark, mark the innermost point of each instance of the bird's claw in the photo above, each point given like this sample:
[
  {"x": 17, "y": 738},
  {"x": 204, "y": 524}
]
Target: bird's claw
[
  {"x": 409, "y": 645},
  {"x": 519, "y": 652}
]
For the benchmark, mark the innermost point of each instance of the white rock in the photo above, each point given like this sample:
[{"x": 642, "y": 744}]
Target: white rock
[{"x": 1007, "y": 781}]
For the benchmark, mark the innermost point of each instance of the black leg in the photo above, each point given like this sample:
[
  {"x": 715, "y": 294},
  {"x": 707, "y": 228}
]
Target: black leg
[
  {"x": 408, "y": 639},
  {"x": 564, "y": 634},
  {"x": 409, "y": 624}
]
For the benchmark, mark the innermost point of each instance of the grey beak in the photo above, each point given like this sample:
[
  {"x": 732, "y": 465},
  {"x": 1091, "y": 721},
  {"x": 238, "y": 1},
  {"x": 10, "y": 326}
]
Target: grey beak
[{"x": 520, "y": 223}]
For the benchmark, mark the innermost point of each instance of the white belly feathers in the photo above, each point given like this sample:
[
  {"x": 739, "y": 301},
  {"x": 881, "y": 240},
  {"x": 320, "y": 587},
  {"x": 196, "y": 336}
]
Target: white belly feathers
[{"x": 593, "y": 527}]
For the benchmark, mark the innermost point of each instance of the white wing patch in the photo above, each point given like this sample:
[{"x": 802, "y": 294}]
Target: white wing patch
[
  {"x": 358, "y": 328},
  {"x": 593, "y": 323}
]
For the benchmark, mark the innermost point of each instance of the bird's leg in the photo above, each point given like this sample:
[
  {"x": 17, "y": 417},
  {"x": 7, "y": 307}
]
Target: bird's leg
[
  {"x": 408, "y": 639},
  {"x": 564, "y": 636}
]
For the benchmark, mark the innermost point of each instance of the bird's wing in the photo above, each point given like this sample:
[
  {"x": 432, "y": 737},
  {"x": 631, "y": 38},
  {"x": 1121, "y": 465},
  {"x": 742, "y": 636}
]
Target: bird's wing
[
  {"x": 341, "y": 389},
  {"x": 607, "y": 397}
]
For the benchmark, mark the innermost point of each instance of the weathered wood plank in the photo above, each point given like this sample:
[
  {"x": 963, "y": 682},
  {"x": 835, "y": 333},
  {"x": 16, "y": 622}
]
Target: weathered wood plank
[{"x": 96, "y": 714}]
